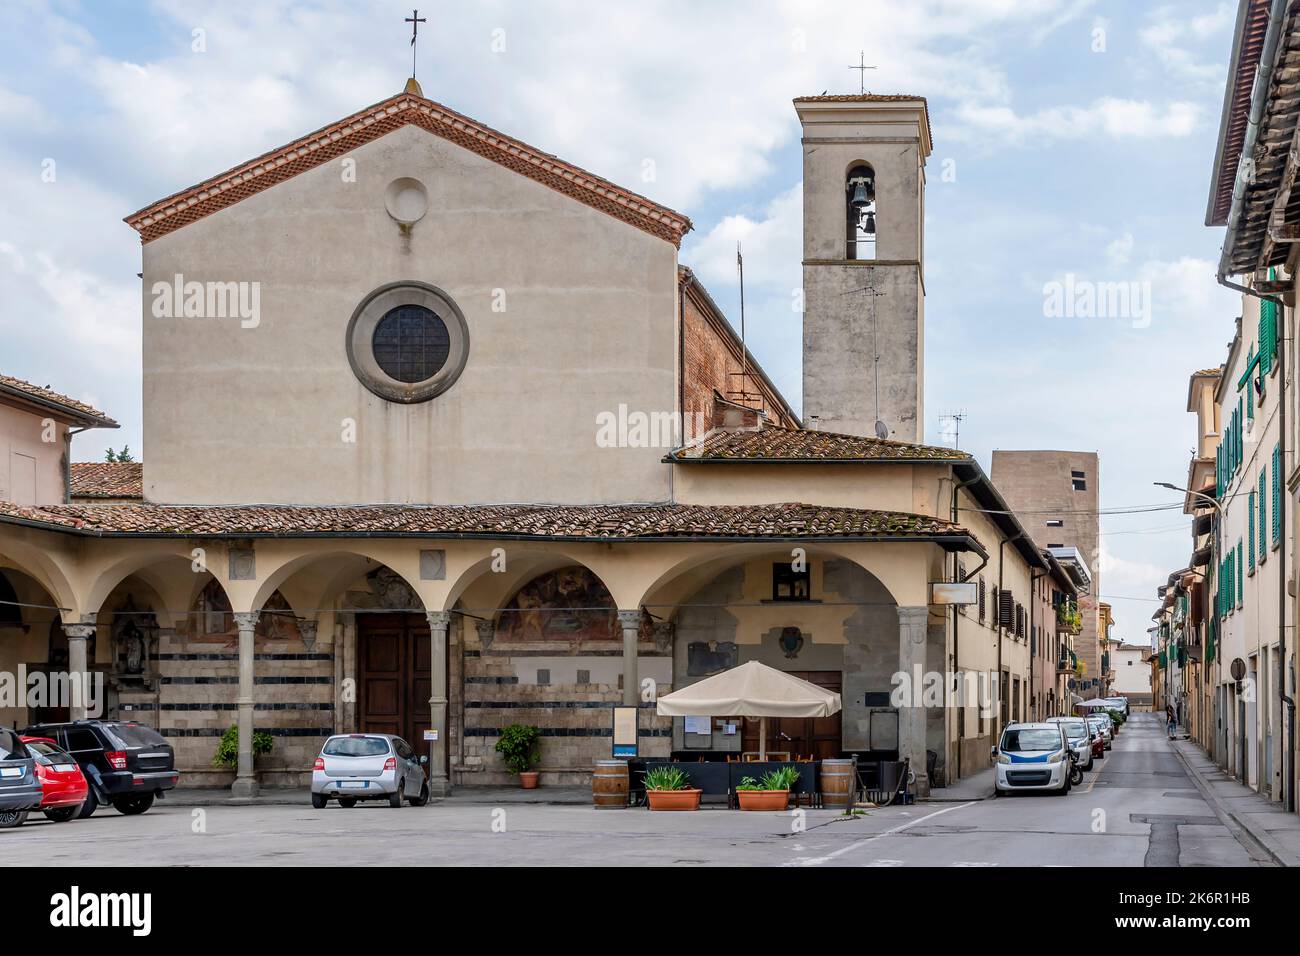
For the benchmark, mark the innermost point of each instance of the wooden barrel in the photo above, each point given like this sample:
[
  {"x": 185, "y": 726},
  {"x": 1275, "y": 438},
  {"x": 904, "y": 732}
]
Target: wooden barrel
[
  {"x": 609, "y": 785},
  {"x": 837, "y": 782}
]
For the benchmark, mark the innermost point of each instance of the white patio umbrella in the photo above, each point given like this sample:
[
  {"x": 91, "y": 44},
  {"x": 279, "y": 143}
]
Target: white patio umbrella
[
  {"x": 751, "y": 690},
  {"x": 1094, "y": 702}
]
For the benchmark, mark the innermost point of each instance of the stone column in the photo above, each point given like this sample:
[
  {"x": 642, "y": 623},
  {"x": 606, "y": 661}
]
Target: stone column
[
  {"x": 245, "y": 784},
  {"x": 631, "y": 622},
  {"x": 912, "y": 627},
  {"x": 78, "y": 668},
  {"x": 439, "y": 782}
]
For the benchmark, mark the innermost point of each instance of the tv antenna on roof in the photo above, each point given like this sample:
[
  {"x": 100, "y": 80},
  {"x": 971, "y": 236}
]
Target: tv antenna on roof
[{"x": 956, "y": 418}]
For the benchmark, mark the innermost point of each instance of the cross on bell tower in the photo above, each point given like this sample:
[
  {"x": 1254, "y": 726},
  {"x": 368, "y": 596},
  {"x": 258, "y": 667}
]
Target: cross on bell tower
[{"x": 862, "y": 71}]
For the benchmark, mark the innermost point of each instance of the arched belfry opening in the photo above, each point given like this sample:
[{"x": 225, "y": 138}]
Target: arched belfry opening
[{"x": 860, "y": 213}]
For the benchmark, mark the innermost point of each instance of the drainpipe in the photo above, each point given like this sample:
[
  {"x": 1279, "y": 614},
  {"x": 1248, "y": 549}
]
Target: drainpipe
[
  {"x": 956, "y": 617},
  {"x": 67, "y": 462},
  {"x": 1034, "y": 578},
  {"x": 1285, "y": 704}
]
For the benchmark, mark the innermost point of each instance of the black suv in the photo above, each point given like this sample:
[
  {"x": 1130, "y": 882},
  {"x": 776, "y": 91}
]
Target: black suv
[{"x": 126, "y": 763}]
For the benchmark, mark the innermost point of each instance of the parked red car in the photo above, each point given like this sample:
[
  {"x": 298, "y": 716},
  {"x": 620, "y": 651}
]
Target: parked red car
[
  {"x": 1099, "y": 746},
  {"x": 63, "y": 785}
]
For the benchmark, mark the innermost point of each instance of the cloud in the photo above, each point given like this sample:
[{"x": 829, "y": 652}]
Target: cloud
[
  {"x": 1106, "y": 117},
  {"x": 772, "y": 245},
  {"x": 1170, "y": 30}
]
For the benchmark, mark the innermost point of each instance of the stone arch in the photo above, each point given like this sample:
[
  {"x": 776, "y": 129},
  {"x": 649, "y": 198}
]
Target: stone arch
[
  {"x": 842, "y": 633},
  {"x": 37, "y": 564},
  {"x": 140, "y": 557}
]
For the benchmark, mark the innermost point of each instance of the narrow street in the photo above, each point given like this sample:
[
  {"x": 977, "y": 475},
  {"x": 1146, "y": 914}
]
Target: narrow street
[{"x": 1138, "y": 807}]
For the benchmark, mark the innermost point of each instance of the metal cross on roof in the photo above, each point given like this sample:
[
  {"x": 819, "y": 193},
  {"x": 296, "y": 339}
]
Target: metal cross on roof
[
  {"x": 862, "y": 71},
  {"x": 414, "y": 20}
]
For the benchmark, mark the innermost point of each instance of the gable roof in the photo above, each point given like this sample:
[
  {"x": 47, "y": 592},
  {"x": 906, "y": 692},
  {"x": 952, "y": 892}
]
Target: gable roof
[
  {"x": 107, "y": 479},
  {"x": 364, "y": 126},
  {"x": 68, "y": 409},
  {"x": 774, "y": 443}
]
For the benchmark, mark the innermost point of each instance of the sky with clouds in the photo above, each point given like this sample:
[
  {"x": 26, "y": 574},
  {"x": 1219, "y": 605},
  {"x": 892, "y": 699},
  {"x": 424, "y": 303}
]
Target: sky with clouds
[{"x": 1073, "y": 141}]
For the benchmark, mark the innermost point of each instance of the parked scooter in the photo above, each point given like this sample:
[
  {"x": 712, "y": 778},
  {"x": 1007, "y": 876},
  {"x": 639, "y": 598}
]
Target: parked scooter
[{"x": 1076, "y": 772}]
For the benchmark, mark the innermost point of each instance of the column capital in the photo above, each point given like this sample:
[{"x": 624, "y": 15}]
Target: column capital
[
  {"x": 79, "y": 632},
  {"x": 913, "y": 615},
  {"x": 438, "y": 620},
  {"x": 630, "y": 620},
  {"x": 246, "y": 620}
]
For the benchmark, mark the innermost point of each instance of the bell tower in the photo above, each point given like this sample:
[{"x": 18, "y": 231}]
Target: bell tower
[{"x": 863, "y": 249}]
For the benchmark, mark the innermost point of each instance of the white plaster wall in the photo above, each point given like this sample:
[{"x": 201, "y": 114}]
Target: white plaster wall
[{"x": 237, "y": 414}]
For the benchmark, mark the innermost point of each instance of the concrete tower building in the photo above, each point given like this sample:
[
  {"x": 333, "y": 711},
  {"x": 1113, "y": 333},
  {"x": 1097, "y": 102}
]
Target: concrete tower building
[
  {"x": 1056, "y": 494},
  {"x": 863, "y": 248}
]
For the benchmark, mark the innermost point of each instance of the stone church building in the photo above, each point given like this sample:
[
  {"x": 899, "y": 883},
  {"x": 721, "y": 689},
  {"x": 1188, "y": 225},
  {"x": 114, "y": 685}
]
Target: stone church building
[{"x": 440, "y": 435}]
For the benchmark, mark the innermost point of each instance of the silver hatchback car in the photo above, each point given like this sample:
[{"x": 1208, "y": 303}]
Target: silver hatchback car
[{"x": 354, "y": 767}]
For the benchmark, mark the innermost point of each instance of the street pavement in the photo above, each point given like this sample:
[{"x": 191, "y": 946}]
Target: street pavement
[{"x": 1138, "y": 808}]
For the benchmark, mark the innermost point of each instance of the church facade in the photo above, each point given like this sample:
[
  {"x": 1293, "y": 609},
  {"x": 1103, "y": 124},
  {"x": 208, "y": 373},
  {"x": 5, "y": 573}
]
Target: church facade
[{"x": 441, "y": 436}]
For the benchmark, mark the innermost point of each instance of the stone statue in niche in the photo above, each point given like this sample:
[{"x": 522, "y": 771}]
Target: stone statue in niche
[{"x": 135, "y": 648}]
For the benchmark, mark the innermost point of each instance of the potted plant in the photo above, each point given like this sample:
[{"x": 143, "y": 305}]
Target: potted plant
[
  {"x": 668, "y": 788},
  {"x": 518, "y": 747},
  {"x": 227, "y": 754},
  {"x": 770, "y": 793}
]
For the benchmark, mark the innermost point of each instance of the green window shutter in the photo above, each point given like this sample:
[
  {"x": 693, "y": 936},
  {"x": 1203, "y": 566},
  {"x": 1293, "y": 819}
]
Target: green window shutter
[
  {"x": 1250, "y": 535},
  {"x": 1241, "y": 591},
  {"x": 1267, "y": 334},
  {"x": 1218, "y": 472},
  {"x": 1250, "y": 390},
  {"x": 1239, "y": 434},
  {"x": 1263, "y": 513},
  {"x": 1277, "y": 493}
]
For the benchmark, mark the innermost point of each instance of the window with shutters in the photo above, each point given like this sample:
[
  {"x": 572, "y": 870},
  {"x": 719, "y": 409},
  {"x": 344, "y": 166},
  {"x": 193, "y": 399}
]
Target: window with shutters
[
  {"x": 1277, "y": 495},
  {"x": 1263, "y": 510},
  {"x": 1267, "y": 332},
  {"x": 1006, "y": 610},
  {"x": 1250, "y": 389},
  {"x": 1250, "y": 535},
  {"x": 983, "y": 612},
  {"x": 1241, "y": 590}
]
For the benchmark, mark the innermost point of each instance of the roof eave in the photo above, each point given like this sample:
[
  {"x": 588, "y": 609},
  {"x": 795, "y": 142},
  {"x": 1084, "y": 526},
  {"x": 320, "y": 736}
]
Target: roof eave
[{"x": 61, "y": 412}]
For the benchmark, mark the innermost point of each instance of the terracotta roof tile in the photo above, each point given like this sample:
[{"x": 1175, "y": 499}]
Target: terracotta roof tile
[
  {"x": 600, "y": 522},
  {"x": 107, "y": 479},
  {"x": 80, "y": 410},
  {"x": 773, "y": 443},
  {"x": 369, "y": 124}
]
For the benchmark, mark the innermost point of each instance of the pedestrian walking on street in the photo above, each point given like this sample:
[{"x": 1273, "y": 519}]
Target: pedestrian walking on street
[{"x": 1171, "y": 723}]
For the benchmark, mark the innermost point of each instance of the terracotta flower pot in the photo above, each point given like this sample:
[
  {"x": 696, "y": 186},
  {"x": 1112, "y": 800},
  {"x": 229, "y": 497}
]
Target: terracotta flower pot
[
  {"x": 528, "y": 779},
  {"x": 763, "y": 799},
  {"x": 674, "y": 799}
]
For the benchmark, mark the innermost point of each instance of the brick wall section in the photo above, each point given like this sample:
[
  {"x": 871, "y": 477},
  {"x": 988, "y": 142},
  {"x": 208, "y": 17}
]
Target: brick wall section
[{"x": 712, "y": 361}]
